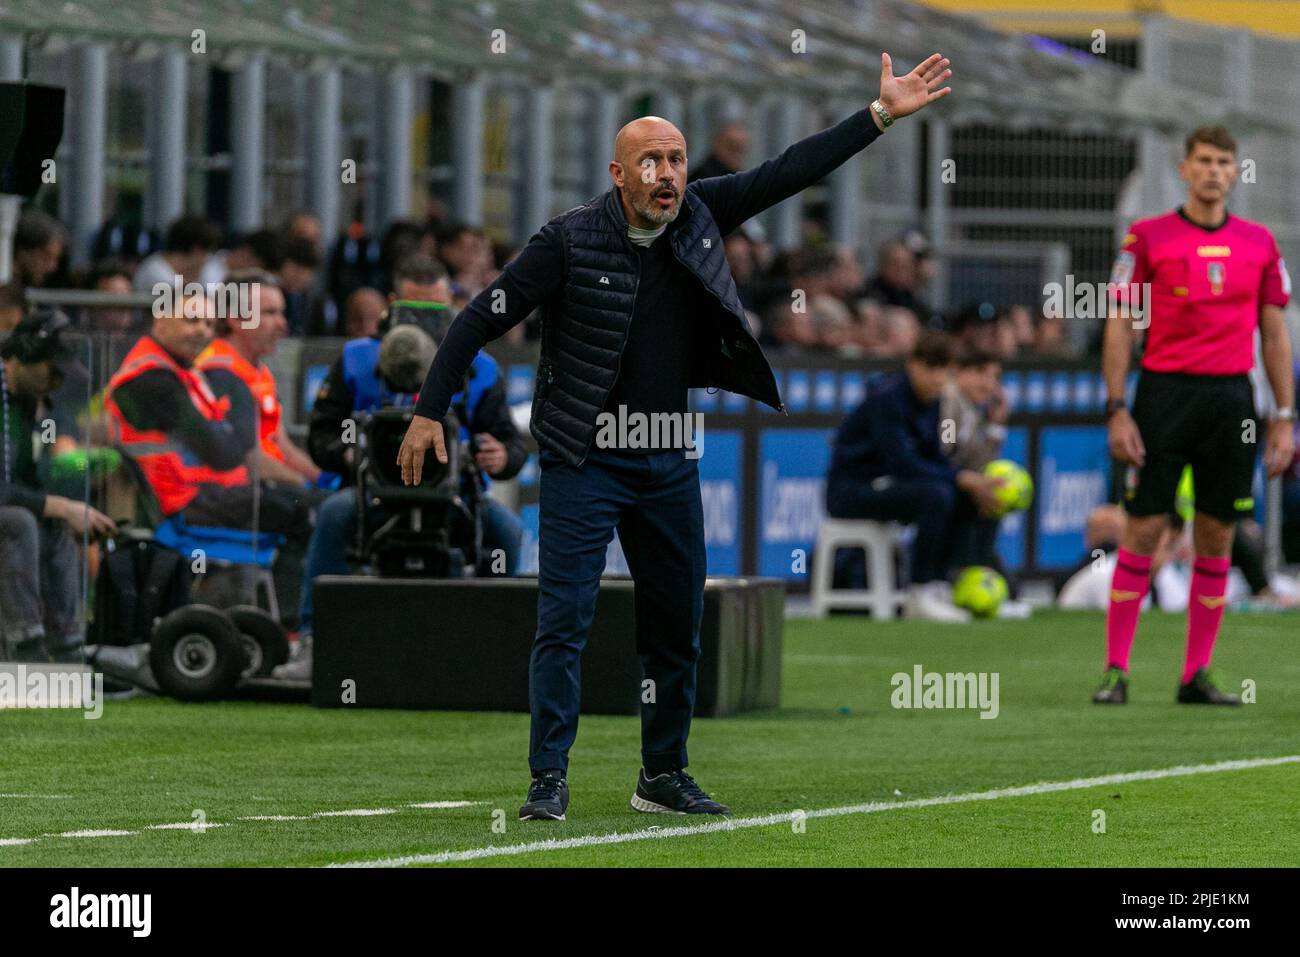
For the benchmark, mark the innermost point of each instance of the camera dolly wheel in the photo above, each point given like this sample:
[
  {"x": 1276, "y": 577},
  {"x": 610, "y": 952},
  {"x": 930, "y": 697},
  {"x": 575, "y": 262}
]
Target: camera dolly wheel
[{"x": 196, "y": 654}]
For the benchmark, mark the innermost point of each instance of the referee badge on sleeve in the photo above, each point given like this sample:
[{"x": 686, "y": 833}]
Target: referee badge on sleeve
[{"x": 1122, "y": 271}]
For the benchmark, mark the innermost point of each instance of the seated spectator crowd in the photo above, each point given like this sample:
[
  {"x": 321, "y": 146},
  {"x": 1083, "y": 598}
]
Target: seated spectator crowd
[{"x": 814, "y": 299}]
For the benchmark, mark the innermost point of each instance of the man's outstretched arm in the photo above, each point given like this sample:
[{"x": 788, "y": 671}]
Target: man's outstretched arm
[
  {"x": 529, "y": 279},
  {"x": 735, "y": 198}
]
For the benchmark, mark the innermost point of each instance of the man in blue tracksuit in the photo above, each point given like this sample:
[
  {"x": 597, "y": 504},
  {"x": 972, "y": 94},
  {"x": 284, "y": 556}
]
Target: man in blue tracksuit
[
  {"x": 888, "y": 464},
  {"x": 639, "y": 306}
]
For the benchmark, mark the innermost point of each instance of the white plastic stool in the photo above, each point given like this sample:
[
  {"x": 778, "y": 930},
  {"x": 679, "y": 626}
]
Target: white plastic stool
[{"x": 879, "y": 540}]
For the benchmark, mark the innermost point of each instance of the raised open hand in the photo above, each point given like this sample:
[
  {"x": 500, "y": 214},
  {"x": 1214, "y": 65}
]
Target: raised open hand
[{"x": 904, "y": 95}]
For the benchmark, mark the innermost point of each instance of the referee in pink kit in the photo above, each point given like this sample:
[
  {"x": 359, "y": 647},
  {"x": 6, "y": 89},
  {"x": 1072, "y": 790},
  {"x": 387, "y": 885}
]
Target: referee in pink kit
[{"x": 1214, "y": 279}]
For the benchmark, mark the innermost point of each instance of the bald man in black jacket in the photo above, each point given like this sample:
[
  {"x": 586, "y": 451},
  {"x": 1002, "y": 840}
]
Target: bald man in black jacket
[{"x": 638, "y": 307}]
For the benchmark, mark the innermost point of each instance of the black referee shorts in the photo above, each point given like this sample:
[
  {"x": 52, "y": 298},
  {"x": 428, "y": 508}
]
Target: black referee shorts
[{"x": 1204, "y": 421}]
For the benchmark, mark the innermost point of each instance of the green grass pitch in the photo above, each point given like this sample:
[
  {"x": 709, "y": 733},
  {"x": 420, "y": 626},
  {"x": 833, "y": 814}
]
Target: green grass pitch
[{"x": 835, "y": 742}]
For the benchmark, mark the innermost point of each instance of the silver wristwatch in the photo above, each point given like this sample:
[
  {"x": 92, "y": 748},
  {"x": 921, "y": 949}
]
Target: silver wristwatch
[
  {"x": 885, "y": 119},
  {"x": 1285, "y": 415}
]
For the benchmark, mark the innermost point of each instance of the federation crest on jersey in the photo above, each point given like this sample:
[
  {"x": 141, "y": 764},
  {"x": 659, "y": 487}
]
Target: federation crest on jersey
[{"x": 1214, "y": 271}]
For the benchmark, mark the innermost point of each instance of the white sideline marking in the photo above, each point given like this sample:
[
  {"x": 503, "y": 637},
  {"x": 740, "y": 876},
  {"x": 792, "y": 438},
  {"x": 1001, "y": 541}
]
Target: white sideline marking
[
  {"x": 623, "y": 837},
  {"x": 39, "y": 797},
  {"x": 195, "y": 826},
  {"x": 182, "y": 826}
]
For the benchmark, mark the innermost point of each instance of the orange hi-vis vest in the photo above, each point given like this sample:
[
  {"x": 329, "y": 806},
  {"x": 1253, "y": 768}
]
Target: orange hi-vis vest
[
  {"x": 172, "y": 471},
  {"x": 220, "y": 354}
]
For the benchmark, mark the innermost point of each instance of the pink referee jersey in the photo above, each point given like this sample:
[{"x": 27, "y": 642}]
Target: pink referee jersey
[{"x": 1207, "y": 286}]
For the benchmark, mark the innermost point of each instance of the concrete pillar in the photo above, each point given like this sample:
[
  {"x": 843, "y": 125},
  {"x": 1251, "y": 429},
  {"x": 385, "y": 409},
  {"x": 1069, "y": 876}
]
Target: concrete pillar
[
  {"x": 699, "y": 123},
  {"x": 606, "y": 111},
  {"x": 165, "y": 197},
  {"x": 784, "y": 220},
  {"x": 468, "y": 104},
  {"x": 670, "y": 105},
  {"x": 539, "y": 161},
  {"x": 247, "y": 144},
  {"x": 324, "y": 147},
  {"x": 89, "y": 111},
  {"x": 936, "y": 216},
  {"x": 396, "y": 92},
  {"x": 11, "y": 58},
  {"x": 845, "y": 194}
]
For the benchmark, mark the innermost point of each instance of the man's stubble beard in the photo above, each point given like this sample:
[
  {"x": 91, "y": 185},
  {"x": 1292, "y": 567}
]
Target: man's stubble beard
[{"x": 659, "y": 217}]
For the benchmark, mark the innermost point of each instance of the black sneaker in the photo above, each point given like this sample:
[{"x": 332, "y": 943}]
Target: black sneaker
[
  {"x": 548, "y": 798},
  {"x": 673, "y": 792},
  {"x": 1114, "y": 687},
  {"x": 1201, "y": 690}
]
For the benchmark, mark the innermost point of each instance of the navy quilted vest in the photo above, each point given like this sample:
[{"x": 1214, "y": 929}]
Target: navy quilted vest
[{"x": 585, "y": 329}]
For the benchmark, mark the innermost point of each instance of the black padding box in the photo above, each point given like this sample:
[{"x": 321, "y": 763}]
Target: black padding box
[{"x": 463, "y": 644}]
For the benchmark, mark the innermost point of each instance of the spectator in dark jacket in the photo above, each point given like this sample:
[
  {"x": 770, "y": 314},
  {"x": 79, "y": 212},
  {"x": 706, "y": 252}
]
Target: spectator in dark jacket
[
  {"x": 897, "y": 282},
  {"x": 889, "y": 465},
  {"x": 40, "y": 581}
]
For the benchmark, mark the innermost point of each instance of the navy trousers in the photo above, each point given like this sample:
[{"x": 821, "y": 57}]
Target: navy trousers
[
  {"x": 654, "y": 502},
  {"x": 942, "y": 515}
]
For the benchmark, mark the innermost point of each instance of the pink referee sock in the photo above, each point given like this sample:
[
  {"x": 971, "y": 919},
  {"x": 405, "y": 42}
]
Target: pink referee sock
[
  {"x": 1205, "y": 611},
  {"x": 1130, "y": 584}
]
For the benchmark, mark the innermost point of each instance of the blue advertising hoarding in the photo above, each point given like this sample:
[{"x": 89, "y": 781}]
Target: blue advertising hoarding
[
  {"x": 792, "y": 465},
  {"x": 722, "y": 492},
  {"x": 1073, "y": 478},
  {"x": 762, "y": 474}
]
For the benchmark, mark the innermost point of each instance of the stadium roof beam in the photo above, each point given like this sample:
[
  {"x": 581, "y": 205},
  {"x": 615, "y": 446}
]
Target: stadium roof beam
[{"x": 685, "y": 45}]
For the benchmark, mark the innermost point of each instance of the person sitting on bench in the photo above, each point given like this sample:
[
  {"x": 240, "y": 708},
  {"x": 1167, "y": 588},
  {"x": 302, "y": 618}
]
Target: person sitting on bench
[{"x": 888, "y": 464}]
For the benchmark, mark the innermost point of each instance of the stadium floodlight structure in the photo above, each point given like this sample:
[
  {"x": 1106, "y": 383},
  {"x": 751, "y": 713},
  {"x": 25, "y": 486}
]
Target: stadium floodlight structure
[{"x": 31, "y": 125}]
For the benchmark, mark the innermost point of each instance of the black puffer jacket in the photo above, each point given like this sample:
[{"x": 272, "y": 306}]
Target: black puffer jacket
[{"x": 582, "y": 270}]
